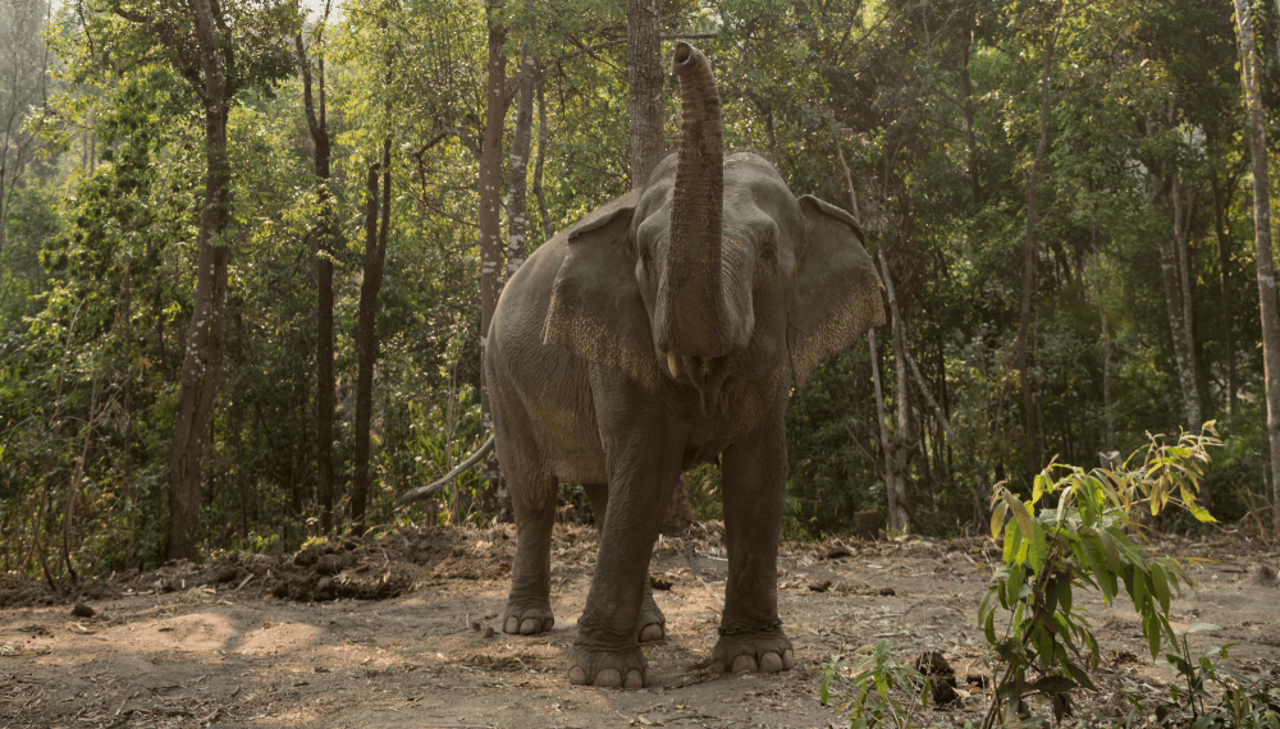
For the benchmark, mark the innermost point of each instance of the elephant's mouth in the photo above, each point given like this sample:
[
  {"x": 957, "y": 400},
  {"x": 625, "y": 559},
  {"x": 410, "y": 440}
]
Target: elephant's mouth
[{"x": 706, "y": 374}]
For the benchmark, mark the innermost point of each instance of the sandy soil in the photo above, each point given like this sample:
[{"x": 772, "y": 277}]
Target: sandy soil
[{"x": 400, "y": 632}]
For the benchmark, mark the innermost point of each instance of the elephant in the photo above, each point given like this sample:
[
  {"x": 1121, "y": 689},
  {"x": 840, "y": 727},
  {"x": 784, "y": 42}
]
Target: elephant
[{"x": 662, "y": 331}]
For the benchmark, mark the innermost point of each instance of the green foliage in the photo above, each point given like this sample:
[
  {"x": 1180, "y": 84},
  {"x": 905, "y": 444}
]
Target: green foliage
[
  {"x": 1048, "y": 647},
  {"x": 933, "y": 108},
  {"x": 882, "y": 691},
  {"x": 1242, "y": 703}
]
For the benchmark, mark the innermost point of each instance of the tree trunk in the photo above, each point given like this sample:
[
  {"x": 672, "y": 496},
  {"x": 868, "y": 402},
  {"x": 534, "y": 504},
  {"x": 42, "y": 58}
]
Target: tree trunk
[
  {"x": 1028, "y": 266},
  {"x": 375, "y": 252},
  {"x": 491, "y": 247},
  {"x": 897, "y": 457},
  {"x": 970, "y": 113},
  {"x": 1177, "y": 297},
  {"x": 324, "y": 233},
  {"x": 644, "y": 77},
  {"x": 1249, "y": 63},
  {"x": 1224, "y": 289},
  {"x": 543, "y": 214},
  {"x": 521, "y": 146},
  {"x": 202, "y": 358}
]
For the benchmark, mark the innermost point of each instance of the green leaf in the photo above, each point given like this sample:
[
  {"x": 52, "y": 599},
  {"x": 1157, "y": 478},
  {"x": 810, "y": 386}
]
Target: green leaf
[
  {"x": 1080, "y": 676},
  {"x": 1020, "y": 512},
  {"x": 1160, "y": 586},
  {"x": 1151, "y": 629},
  {"x": 1091, "y": 544},
  {"x": 1201, "y": 514},
  {"x": 1138, "y": 591},
  {"x": 1038, "y": 548},
  {"x": 997, "y": 518},
  {"x": 1053, "y": 685},
  {"x": 1012, "y": 541},
  {"x": 1014, "y": 585},
  {"x": 1040, "y": 485}
]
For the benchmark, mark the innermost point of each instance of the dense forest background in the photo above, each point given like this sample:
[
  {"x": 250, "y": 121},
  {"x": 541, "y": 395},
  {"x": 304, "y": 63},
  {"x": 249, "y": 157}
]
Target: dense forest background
[{"x": 266, "y": 221}]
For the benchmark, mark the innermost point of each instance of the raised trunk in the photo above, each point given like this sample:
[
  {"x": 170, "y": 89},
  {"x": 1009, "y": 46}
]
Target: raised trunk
[{"x": 689, "y": 316}]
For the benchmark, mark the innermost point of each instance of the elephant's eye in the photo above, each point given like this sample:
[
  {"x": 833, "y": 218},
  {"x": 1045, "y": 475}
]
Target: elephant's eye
[{"x": 646, "y": 259}]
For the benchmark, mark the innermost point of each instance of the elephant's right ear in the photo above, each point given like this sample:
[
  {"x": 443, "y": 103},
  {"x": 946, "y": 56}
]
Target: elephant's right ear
[{"x": 596, "y": 310}]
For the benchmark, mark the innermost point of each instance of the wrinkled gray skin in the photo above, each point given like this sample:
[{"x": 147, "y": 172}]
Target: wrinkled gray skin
[{"x": 662, "y": 331}]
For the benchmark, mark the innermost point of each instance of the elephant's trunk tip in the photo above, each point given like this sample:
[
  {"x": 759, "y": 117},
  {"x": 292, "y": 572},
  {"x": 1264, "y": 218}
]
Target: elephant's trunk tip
[{"x": 687, "y": 59}]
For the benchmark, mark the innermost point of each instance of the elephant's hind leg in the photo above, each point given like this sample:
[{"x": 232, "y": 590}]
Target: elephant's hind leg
[{"x": 529, "y": 603}]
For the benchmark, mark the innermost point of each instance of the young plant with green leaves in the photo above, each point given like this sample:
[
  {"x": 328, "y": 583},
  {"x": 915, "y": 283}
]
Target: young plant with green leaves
[
  {"x": 877, "y": 687},
  {"x": 1085, "y": 540}
]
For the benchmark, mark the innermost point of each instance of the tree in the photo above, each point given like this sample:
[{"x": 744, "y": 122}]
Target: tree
[
  {"x": 1249, "y": 64},
  {"x": 645, "y": 79},
  {"x": 24, "y": 83},
  {"x": 325, "y": 242},
  {"x": 490, "y": 217}
]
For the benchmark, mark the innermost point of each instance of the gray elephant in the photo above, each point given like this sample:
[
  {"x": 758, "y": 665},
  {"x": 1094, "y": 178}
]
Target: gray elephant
[{"x": 662, "y": 331}]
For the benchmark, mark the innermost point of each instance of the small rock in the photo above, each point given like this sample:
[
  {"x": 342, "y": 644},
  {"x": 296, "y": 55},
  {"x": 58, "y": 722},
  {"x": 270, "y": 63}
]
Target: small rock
[
  {"x": 821, "y": 586},
  {"x": 1263, "y": 576},
  {"x": 82, "y": 611},
  {"x": 888, "y": 592},
  {"x": 660, "y": 582},
  {"x": 488, "y": 632}
]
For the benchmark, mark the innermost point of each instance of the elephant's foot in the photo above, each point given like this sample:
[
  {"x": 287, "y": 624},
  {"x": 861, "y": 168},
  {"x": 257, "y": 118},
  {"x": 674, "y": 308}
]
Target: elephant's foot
[
  {"x": 527, "y": 619},
  {"x": 609, "y": 669},
  {"x": 652, "y": 624},
  {"x": 767, "y": 651}
]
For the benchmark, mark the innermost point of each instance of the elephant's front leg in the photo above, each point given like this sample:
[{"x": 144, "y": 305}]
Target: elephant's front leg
[
  {"x": 652, "y": 624},
  {"x": 754, "y": 476},
  {"x": 643, "y": 466}
]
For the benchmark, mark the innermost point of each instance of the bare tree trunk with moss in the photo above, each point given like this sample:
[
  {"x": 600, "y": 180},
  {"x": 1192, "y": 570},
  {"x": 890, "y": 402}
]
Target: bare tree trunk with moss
[
  {"x": 202, "y": 357},
  {"x": 1249, "y": 63}
]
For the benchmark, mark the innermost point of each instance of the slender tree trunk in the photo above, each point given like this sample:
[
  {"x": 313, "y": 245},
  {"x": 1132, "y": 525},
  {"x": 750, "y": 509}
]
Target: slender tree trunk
[
  {"x": 970, "y": 113},
  {"x": 326, "y": 382},
  {"x": 1249, "y": 63},
  {"x": 1028, "y": 265},
  {"x": 1177, "y": 304},
  {"x": 491, "y": 244},
  {"x": 645, "y": 78},
  {"x": 1224, "y": 291},
  {"x": 202, "y": 358},
  {"x": 897, "y": 458},
  {"x": 547, "y": 229},
  {"x": 375, "y": 252},
  {"x": 521, "y": 146}
]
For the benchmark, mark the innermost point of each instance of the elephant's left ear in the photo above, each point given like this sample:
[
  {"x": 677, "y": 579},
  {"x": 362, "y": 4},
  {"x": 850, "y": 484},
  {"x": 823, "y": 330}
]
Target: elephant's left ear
[{"x": 837, "y": 294}]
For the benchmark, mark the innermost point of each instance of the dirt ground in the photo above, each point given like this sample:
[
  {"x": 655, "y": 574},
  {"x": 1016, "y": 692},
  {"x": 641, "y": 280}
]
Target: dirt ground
[{"x": 399, "y": 632}]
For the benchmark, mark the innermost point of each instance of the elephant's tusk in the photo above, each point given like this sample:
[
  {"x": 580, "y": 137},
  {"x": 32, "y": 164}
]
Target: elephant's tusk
[{"x": 673, "y": 365}]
